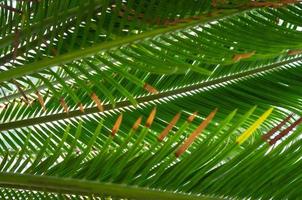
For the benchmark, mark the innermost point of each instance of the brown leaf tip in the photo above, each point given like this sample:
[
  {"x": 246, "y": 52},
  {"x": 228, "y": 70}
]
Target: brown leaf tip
[
  {"x": 117, "y": 125},
  {"x": 286, "y": 131},
  {"x": 192, "y": 117},
  {"x": 276, "y": 128},
  {"x": 151, "y": 118},
  {"x": 265, "y": 4},
  {"x": 238, "y": 57},
  {"x": 41, "y": 100},
  {"x": 294, "y": 52},
  {"x": 81, "y": 107},
  {"x": 97, "y": 101},
  {"x": 150, "y": 89},
  {"x": 165, "y": 132},
  {"x": 195, "y": 133},
  {"x": 64, "y": 105},
  {"x": 137, "y": 123}
]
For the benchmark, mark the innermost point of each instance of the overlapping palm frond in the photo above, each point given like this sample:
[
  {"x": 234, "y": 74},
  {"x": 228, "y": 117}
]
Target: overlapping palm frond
[
  {"x": 54, "y": 79},
  {"x": 59, "y": 22},
  {"x": 161, "y": 164},
  {"x": 179, "y": 50},
  {"x": 235, "y": 93},
  {"x": 193, "y": 49}
]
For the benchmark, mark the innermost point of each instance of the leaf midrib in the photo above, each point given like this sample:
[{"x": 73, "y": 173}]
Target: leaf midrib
[
  {"x": 100, "y": 47},
  {"x": 184, "y": 91},
  {"x": 85, "y": 187}
]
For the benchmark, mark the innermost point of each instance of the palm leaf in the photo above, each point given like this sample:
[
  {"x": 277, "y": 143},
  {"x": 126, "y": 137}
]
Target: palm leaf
[
  {"x": 144, "y": 166},
  {"x": 145, "y": 153}
]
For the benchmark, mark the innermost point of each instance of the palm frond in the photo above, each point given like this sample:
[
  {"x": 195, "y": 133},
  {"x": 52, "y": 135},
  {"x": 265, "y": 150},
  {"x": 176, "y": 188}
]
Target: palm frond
[
  {"x": 114, "y": 61},
  {"x": 226, "y": 93},
  {"x": 152, "y": 52},
  {"x": 145, "y": 166}
]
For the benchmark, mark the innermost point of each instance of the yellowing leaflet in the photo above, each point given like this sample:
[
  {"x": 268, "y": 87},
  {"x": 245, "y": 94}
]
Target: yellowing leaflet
[{"x": 252, "y": 128}]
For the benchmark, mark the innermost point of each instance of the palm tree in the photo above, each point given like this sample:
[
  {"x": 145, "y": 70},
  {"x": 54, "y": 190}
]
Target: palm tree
[{"x": 150, "y": 99}]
